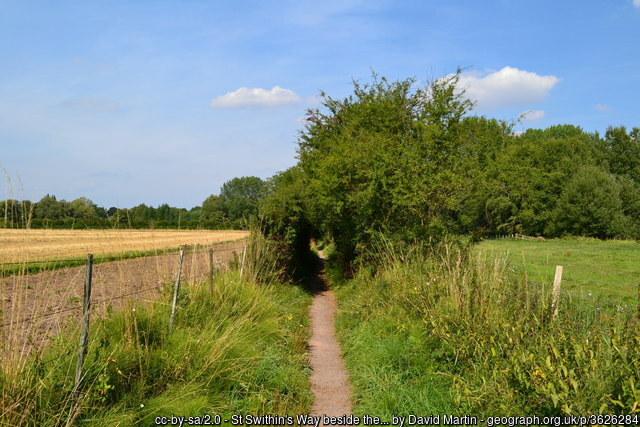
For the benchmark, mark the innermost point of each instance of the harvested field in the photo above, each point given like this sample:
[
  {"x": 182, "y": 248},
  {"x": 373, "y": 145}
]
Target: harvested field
[
  {"x": 36, "y": 245},
  {"x": 35, "y": 307}
]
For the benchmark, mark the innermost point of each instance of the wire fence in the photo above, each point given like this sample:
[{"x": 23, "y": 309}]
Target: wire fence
[
  {"x": 99, "y": 259},
  {"x": 200, "y": 277},
  {"x": 594, "y": 296},
  {"x": 191, "y": 251}
]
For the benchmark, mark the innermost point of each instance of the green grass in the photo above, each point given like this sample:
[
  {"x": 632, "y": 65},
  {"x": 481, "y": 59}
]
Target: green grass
[
  {"x": 446, "y": 330},
  {"x": 242, "y": 350},
  {"x": 390, "y": 370},
  {"x": 592, "y": 268}
]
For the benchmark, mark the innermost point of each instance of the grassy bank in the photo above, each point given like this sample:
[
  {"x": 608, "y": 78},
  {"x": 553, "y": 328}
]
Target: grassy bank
[
  {"x": 242, "y": 350},
  {"x": 458, "y": 332},
  {"x": 592, "y": 268}
]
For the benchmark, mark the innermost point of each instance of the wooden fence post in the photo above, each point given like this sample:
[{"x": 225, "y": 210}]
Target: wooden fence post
[
  {"x": 556, "y": 290},
  {"x": 244, "y": 255},
  {"x": 84, "y": 334},
  {"x": 211, "y": 271},
  {"x": 175, "y": 290}
]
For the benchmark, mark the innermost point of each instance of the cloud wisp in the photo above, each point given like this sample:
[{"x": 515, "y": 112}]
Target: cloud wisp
[
  {"x": 506, "y": 87},
  {"x": 256, "y": 97},
  {"x": 636, "y": 3},
  {"x": 603, "y": 108}
]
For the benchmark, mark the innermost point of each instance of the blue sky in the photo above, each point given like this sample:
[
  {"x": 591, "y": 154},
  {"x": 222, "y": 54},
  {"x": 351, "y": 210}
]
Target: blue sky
[{"x": 129, "y": 102}]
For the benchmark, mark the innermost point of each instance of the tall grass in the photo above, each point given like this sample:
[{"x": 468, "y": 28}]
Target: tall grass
[
  {"x": 241, "y": 349},
  {"x": 447, "y": 330}
]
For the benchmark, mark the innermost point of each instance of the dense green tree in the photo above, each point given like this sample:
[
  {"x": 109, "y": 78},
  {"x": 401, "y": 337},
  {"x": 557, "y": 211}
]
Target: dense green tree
[
  {"x": 240, "y": 197},
  {"x": 82, "y": 208},
  {"x": 622, "y": 151},
  {"x": 284, "y": 215},
  {"x": 385, "y": 159},
  {"x": 213, "y": 211},
  {"x": 590, "y": 205},
  {"x": 518, "y": 190},
  {"x": 49, "y": 208}
]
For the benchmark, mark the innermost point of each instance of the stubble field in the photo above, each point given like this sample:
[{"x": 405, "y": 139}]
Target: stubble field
[{"x": 17, "y": 245}]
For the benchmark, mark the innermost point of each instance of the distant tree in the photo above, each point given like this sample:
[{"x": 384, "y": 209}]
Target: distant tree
[
  {"x": 141, "y": 215},
  {"x": 82, "y": 208},
  {"x": 213, "y": 211},
  {"x": 590, "y": 205},
  {"x": 623, "y": 151},
  {"x": 240, "y": 197},
  {"x": 49, "y": 208}
]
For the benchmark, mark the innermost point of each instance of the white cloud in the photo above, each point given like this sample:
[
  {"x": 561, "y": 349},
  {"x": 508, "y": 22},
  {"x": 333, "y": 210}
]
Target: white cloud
[
  {"x": 256, "y": 96},
  {"x": 508, "y": 86},
  {"x": 313, "y": 101},
  {"x": 532, "y": 115},
  {"x": 91, "y": 104},
  {"x": 603, "y": 108},
  {"x": 636, "y": 3}
]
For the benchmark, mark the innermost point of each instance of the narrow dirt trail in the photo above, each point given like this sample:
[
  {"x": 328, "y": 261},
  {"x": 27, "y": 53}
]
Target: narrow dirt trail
[{"x": 329, "y": 381}]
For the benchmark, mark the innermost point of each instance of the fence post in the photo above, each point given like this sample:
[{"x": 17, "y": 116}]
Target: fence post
[
  {"x": 175, "y": 290},
  {"x": 211, "y": 271},
  {"x": 556, "y": 290},
  {"x": 244, "y": 255},
  {"x": 84, "y": 334}
]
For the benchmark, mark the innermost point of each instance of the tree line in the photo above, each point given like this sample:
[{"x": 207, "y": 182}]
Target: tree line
[
  {"x": 405, "y": 162},
  {"x": 411, "y": 163},
  {"x": 232, "y": 208}
]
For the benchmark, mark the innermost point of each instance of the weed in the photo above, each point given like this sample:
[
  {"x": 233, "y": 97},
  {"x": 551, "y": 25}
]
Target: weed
[{"x": 445, "y": 329}]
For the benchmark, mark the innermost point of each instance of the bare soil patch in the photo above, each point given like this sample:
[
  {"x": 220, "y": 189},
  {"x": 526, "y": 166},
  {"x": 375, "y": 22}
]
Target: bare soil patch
[{"x": 36, "y": 307}]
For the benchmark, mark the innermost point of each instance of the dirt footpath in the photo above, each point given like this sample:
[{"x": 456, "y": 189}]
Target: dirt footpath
[
  {"x": 35, "y": 307},
  {"x": 329, "y": 380}
]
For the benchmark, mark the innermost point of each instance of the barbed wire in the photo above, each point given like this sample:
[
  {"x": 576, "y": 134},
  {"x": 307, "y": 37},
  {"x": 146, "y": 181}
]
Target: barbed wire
[
  {"x": 601, "y": 283},
  {"x": 590, "y": 298},
  {"x": 199, "y": 277},
  {"x": 549, "y": 275}
]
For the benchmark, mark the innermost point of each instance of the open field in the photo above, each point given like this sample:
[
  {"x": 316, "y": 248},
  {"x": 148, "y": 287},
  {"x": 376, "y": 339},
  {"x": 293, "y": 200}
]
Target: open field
[
  {"x": 592, "y": 268},
  {"x": 35, "y": 307},
  {"x": 38, "y": 245}
]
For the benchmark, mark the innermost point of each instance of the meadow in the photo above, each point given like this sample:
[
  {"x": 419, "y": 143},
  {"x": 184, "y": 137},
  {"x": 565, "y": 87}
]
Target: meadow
[{"x": 593, "y": 268}]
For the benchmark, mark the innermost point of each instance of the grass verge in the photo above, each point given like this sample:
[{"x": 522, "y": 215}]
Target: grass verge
[
  {"x": 447, "y": 330},
  {"x": 241, "y": 350}
]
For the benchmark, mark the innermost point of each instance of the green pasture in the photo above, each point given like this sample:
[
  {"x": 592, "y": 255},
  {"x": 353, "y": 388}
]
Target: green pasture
[{"x": 607, "y": 270}]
